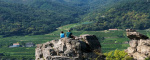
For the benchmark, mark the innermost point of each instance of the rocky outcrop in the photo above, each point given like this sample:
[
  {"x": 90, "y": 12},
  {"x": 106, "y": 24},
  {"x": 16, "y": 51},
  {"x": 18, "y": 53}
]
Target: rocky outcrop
[
  {"x": 139, "y": 45},
  {"x": 80, "y": 48},
  {"x": 133, "y": 35}
]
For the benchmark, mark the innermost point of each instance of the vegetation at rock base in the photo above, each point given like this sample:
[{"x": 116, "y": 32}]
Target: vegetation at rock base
[
  {"x": 147, "y": 58},
  {"x": 117, "y": 55}
]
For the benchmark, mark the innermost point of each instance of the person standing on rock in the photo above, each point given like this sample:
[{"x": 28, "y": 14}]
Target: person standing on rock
[
  {"x": 69, "y": 34},
  {"x": 62, "y": 34}
]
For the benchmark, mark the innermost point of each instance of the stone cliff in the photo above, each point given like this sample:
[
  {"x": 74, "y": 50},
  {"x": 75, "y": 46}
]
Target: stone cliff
[
  {"x": 139, "y": 45},
  {"x": 84, "y": 47}
]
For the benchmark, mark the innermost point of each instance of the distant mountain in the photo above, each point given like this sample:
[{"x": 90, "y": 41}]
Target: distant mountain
[
  {"x": 43, "y": 16},
  {"x": 80, "y": 4},
  {"x": 59, "y": 6},
  {"x": 19, "y": 19},
  {"x": 128, "y": 14},
  {"x": 76, "y": 8}
]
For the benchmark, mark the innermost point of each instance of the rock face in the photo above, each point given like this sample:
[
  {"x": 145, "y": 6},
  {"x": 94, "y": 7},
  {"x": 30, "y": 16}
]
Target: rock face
[
  {"x": 139, "y": 45},
  {"x": 80, "y": 48}
]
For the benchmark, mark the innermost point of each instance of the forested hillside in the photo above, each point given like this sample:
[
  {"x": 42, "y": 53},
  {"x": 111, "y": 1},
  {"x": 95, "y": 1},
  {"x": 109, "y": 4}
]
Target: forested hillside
[
  {"x": 21, "y": 19},
  {"x": 135, "y": 14}
]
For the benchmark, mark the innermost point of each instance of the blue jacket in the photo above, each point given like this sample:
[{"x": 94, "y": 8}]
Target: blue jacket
[{"x": 62, "y": 35}]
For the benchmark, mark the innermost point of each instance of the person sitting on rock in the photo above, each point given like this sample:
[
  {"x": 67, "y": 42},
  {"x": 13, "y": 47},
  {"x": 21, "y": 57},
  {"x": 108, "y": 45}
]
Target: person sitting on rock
[
  {"x": 62, "y": 34},
  {"x": 69, "y": 34}
]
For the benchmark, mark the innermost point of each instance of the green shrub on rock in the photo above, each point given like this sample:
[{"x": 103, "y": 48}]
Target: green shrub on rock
[{"x": 147, "y": 58}]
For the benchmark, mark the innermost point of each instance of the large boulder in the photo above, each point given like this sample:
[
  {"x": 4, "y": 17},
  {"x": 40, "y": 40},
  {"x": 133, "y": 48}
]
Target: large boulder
[
  {"x": 91, "y": 40},
  {"x": 80, "y": 48},
  {"x": 139, "y": 45}
]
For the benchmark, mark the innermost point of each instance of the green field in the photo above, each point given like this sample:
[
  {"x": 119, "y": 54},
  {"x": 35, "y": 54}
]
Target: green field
[{"x": 110, "y": 40}]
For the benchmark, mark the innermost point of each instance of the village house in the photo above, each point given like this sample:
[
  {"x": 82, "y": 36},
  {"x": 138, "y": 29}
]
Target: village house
[
  {"x": 29, "y": 44},
  {"x": 113, "y": 29},
  {"x": 15, "y": 45}
]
